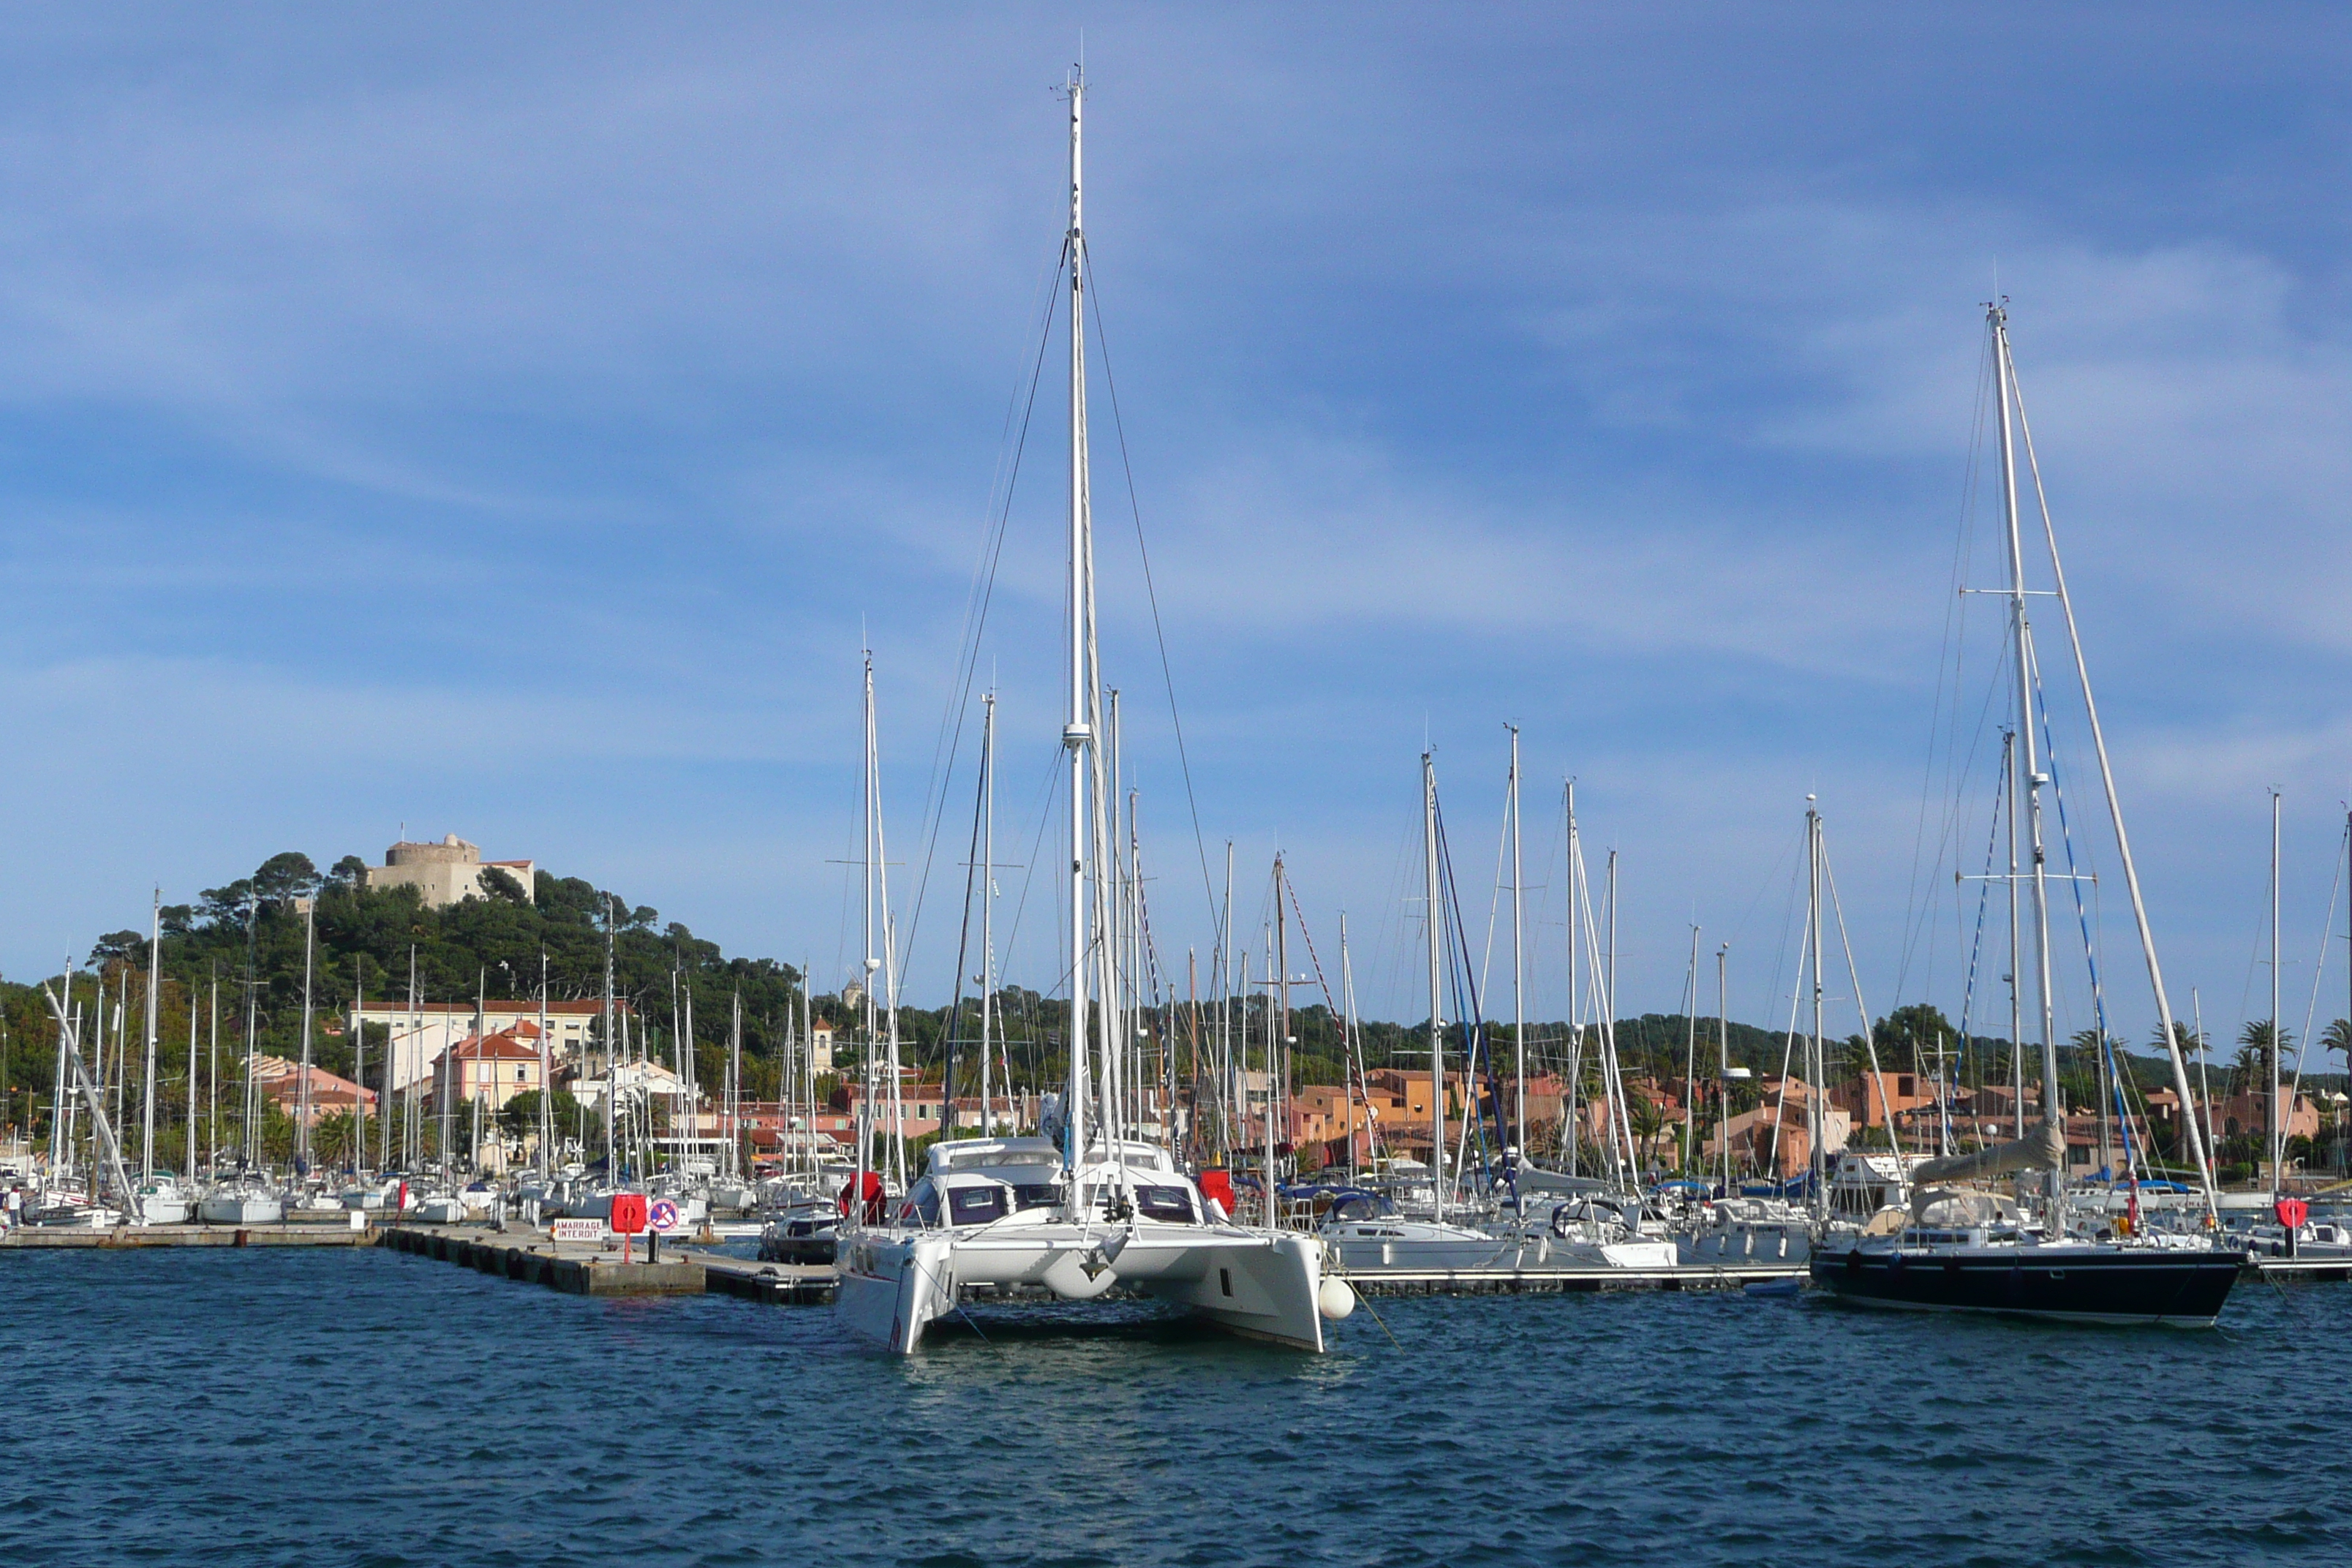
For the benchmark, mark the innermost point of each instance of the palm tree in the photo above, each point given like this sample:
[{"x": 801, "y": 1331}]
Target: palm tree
[
  {"x": 2255, "y": 1054},
  {"x": 2337, "y": 1038}
]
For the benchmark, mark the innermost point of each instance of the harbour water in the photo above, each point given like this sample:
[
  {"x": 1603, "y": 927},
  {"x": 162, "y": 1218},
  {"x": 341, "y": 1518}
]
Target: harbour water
[{"x": 368, "y": 1408}]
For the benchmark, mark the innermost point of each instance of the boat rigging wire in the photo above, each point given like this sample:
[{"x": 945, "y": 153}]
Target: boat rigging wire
[
  {"x": 1150, "y": 589},
  {"x": 948, "y": 742}
]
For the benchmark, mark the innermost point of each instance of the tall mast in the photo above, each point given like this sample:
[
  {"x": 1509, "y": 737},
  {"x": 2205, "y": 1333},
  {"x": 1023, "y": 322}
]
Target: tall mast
[
  {"x": 359, "y": 1065},
  {"x": 1813, "y": 1064},
  {"x": 2197, "y": 1145},
  {"x": 1077, "y": 734},
  {"x": 546, "y": 1080},
  {"x": 2271, "y": 1090},
  {"x": 1690, "y": 1060},
  {"x": 1519, "y": 966},
  {"x": 1614, "y": 1066},
  {"x": 1571, "y": 1131},
  {"x": 987, "y": 900},
  {"x": 1723, "y": 1060},
  {"x": 189, "y": 1164},
  {"x": 1352, "y": 1067},
  {"x": 248, "y": 1102},
  {"x": 869, "y": 963},
  {"x": 154, "y": 982},
  {"x": 1278, "y": 1039},
  {"x": 2016, "y": 979},
  {"x": 1224, "y": 968},
  {"x": 2053, "y": 1110},
  {"x": 310, "y": 953},
  {"x": 1436, "y": 979}
]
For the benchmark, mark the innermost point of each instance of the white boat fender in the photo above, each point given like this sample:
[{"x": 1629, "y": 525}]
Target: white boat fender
[{"x": 1334, "y": 1300}]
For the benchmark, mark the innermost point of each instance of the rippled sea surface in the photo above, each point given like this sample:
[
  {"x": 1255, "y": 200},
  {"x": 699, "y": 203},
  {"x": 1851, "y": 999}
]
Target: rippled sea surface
[{"x": 298, "y": 1406}]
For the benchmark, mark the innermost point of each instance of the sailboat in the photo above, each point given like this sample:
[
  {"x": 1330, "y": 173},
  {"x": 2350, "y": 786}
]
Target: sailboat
[
  {"x": 1085, "y": 1208},
  {"x": 1963, "y": 1246}
]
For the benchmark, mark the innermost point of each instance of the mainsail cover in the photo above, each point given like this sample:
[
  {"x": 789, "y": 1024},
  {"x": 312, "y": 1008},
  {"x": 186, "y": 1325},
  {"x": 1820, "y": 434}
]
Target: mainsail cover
[{"x": 2043, "y": 1149}]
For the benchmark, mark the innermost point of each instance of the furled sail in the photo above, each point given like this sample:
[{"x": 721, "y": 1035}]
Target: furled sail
[{"x": 2043, "y": 1149}]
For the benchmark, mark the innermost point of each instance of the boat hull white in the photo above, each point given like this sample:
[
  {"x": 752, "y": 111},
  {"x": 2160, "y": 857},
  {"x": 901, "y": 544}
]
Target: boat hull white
[
  {"x": 895, "y": 1284},
  {"x": 240, "y": 1208}
]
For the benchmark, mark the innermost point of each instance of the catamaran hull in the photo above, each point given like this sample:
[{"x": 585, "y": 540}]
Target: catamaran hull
[
  {"x": 892, "y": 1288},
  {"x": 2176, "y": 1288}
]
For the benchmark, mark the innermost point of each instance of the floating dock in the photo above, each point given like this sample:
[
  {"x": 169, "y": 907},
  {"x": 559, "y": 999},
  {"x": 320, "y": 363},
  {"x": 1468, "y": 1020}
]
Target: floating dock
[
  {"x": 1559, "y": 1280},
  {"x": 578, "y": 1269}
]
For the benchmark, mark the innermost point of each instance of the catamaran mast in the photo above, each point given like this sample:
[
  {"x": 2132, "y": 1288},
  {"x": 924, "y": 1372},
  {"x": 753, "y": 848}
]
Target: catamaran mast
[{"x": 1078, "y": 735}]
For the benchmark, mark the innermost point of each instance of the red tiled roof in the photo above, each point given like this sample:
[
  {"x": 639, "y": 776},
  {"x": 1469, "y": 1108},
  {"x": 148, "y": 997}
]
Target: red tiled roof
[{"x": 501, "y": 1047}]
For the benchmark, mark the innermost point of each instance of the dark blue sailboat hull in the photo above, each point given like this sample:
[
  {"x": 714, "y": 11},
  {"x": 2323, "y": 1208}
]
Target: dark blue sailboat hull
[{"x": 2122, "y": 1285}]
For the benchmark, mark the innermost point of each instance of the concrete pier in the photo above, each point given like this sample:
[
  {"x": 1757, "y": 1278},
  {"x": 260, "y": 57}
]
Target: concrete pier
[
  {"x": 579, "y": 1268},
  {"x": 34, "y": 1237}
]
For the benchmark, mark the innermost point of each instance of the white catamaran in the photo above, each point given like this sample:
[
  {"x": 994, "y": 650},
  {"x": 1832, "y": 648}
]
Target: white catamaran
[{"x": 1085, "y": 1208}]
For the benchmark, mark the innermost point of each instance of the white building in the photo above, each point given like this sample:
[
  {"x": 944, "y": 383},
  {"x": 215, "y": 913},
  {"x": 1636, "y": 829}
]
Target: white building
[{"x": 420, "y": 1034}]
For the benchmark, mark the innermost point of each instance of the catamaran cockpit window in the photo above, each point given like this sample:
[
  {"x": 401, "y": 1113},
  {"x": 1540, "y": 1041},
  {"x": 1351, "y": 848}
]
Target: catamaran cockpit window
[
  {"x": 975, "y": 1205},
  {"x": 925, "y": 1200},
  {"x": 1173, "y": 1204},
  {"x": 1036, "y": 1194}
]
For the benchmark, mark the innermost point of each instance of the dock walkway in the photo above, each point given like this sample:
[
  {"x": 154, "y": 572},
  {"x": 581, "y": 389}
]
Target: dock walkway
[{"x": 35, "y": 1238}]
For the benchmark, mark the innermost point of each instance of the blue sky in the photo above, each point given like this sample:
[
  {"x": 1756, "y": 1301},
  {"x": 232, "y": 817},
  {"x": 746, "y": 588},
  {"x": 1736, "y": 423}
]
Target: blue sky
[{"x": 510, "y": 423}]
